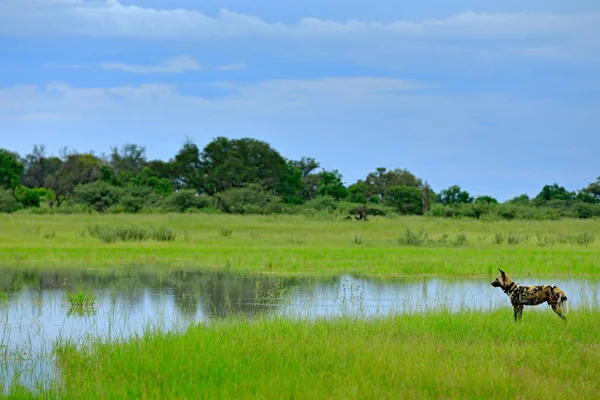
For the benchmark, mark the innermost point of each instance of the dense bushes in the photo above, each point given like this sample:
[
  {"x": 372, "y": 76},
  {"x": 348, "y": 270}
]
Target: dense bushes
[{"x": 102, "y": 197}]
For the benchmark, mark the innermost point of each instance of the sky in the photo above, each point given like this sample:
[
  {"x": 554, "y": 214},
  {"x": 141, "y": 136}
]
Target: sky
[{"x": 498, "y": 96}]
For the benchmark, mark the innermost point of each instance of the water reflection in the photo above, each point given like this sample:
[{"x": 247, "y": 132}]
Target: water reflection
[{"x": 34, "y": 312}]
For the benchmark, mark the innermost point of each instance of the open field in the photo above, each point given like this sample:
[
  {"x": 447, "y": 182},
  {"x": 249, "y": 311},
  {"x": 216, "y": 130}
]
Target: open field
[
  {"x": 431, "y": 355},
  {"x": 302, "y": 245}
]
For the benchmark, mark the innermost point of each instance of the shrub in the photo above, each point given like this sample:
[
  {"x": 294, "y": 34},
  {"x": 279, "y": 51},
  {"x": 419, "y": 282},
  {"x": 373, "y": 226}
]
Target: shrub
[
  {"x": 322, "y": 203},
  {"x": 8, "y": 203},
  {"x": 405, "y": 199},
  {"x": 184, "y": 200},
  {"x": 586, "y": 210},
  {"x": 98, "y": 195},
  {"x": 252, "y": 199}
]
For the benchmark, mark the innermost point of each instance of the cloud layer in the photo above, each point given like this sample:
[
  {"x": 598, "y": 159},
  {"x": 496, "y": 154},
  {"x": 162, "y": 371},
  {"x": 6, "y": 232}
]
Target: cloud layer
[
  {"x": 170, "y": 66},
  {"x": 112, "y": 18}
]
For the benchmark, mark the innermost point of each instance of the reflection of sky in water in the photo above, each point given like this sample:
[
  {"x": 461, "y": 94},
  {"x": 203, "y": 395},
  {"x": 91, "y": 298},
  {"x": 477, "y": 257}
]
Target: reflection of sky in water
[{"x": 33, "y": 319}]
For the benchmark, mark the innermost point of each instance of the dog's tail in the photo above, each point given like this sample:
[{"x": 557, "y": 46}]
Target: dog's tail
[{"x": 564, "y": 304}]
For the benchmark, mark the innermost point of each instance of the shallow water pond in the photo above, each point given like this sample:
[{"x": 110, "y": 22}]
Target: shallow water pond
[{"x": 35, "y": 311}]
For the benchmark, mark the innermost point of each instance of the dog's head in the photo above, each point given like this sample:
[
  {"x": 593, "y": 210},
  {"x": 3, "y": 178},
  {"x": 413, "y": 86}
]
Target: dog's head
[{"x": 502, "y": 280}]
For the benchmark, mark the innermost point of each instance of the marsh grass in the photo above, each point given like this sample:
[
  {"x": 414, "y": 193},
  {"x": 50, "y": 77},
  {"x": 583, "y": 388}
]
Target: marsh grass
[
  {"x": 49, "y": 235},
  {"x": 514, "y": 239},
  {"x": 410, "y": 238},
  {"x": 81, "y": 299},
  {"x": 460, "y": 240},
  {"x": 163, "y": 234},
  {"x": 358, "y": 240},
  {"x": 226, "y": 232},
  {"x": 432, "y": 355},
  {"x": 566, "y": 247}
]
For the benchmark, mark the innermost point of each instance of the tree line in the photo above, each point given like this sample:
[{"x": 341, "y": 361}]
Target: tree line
[{"x": 249, "y": 176}]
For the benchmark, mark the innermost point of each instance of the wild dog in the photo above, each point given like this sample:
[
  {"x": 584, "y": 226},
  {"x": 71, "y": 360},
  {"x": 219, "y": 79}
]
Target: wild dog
[{"x": 521, "y": 296}]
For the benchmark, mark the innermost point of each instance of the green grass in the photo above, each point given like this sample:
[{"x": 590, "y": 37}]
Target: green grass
[
  {"x": 436, "y": 355},
  {"x": 81, "y": 299},
  {"x": 302, "y": 245}
]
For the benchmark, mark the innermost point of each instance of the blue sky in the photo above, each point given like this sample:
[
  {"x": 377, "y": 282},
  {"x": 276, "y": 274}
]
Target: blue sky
[{"x": 500, "y": 97}]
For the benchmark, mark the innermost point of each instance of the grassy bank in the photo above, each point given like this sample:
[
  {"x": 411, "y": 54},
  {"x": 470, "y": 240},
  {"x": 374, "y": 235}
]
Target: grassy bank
[
  {"x": 438, "y": 355},
  {"x": 296, "y": 244}
]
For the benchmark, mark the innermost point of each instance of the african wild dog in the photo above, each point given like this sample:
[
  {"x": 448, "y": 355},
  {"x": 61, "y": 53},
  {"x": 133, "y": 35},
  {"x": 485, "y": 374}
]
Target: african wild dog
[{"x": 532, "y": 296}]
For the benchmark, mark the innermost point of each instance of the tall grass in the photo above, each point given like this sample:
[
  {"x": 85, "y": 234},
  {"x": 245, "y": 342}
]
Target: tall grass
[
  {"x": 436, "y": 355},
  {"x": 391, "y": 246}
]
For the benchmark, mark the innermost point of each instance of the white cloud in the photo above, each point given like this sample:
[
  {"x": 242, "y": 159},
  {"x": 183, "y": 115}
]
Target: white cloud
[
  {"x": 171, "y": 66},
  {"x": 114, "y": 19},
  {"x": 68, "y": 66},
  {"x": 231, "y": 67}
]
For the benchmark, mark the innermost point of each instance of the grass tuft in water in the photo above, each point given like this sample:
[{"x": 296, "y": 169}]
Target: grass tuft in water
[{"x": 81, "y": 299}]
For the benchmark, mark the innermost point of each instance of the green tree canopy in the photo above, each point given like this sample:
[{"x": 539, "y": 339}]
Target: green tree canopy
[
  {"x": 555, "y": 192},
  {"x": 593, "y": 189},
  {"x": 406, "y": 199},
  {"x": 306, "y": 165},
  {"x": 378, "y": 181},
  {"x": 486, "y": 200},
  {"x": 76, "y": 169},
  {"x": 331, "y": 184},
  {"x": 130, "y": 159},
  {"x": 10, "y": 170},
  {"x": 454, "y": 195},
  {"x": 186, "y": 168},
  {"x": 38, "y": 166},
  {"x": 233, "y": 163}
]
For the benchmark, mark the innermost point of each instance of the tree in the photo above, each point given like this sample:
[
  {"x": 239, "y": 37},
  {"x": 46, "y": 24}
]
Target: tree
[
  {"x": 187, "y": 167},
  {"x": 555, "y": 192},
  {"x": 234, "y": 163},
  {"x": 331, "y": 184},
  {"x": 163, "y": 169},
  {"x": 593, "y": 189},
  {"x": 31, "y": 197},
  {"x": 38, "y": 166},
  {"x": 10, "y": 170},
  {"x": 130, "y": 159},
  {"x": 76, "y": 169},
  {"x": 454, "y": 194},
  {"x": 311, "y": 186},
  {"x": 357, "y": 192},
  {"x": 406, "y": 199},
  {"x": 486, "y": 200},
  {"x": 99, "y": 195},
  {"x": 146, "y": 177},
  {"x": 381, "y": 179},
  {"x": 426, "y": 197},
  {"x": 290, "y": 187},
  {"x": 520, "y": 200},
  {"x": 306, "y": 165}
]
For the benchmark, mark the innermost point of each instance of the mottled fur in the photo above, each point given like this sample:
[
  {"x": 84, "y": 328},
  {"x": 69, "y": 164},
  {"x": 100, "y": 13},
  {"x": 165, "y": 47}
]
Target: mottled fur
[{"x": 521, "y": 296}]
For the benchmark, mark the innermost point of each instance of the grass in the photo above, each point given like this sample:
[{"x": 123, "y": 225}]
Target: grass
[
  {"x": 81, "y": 299},
  {"x": 302, "y": 245},
  {"x": 435, "y": 355}
]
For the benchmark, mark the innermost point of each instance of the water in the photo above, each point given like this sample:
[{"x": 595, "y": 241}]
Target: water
[{"x": 36, "y": 313}]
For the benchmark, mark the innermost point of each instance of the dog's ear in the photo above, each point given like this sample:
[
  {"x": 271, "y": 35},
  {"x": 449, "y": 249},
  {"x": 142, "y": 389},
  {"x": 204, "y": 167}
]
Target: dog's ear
[{"x": 502, "y": 272}]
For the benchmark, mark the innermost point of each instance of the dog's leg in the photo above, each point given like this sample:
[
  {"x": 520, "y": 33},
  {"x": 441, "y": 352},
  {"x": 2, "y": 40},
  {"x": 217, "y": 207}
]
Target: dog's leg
[
  {"x": 557, "y": 310},
  {"x": 518, "y": 311}
]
